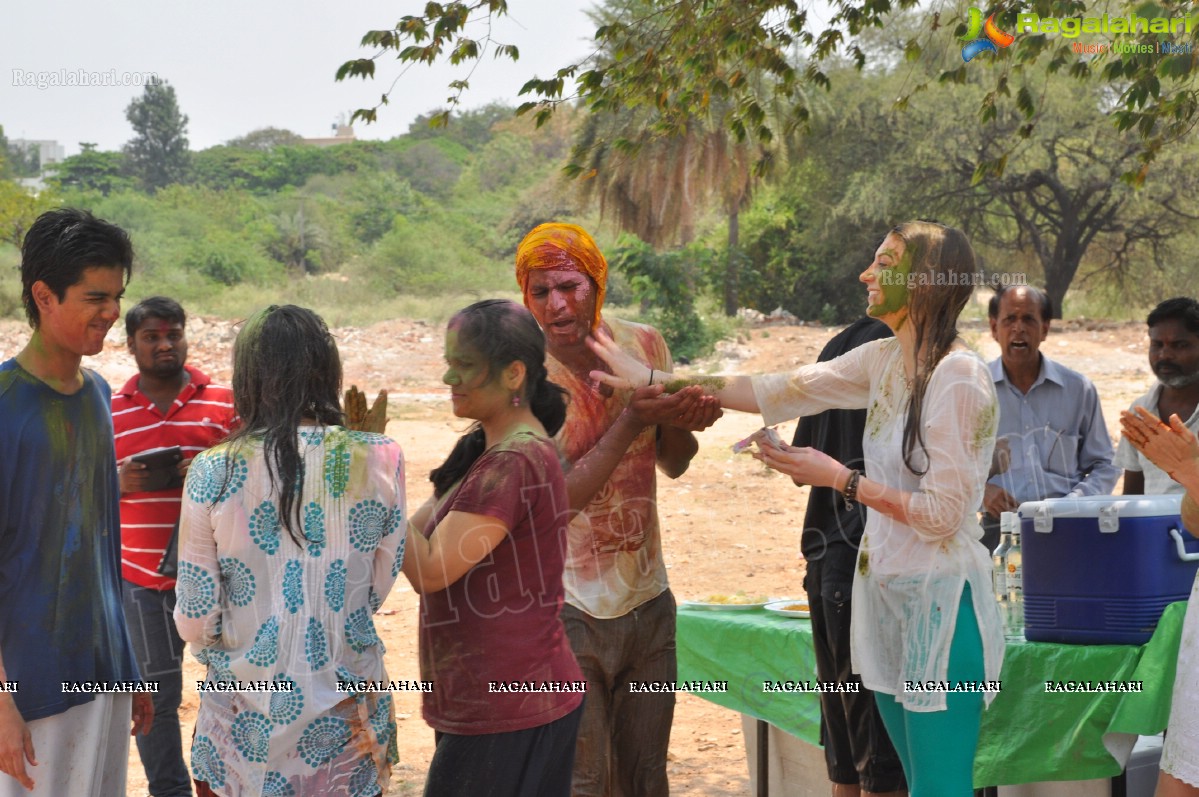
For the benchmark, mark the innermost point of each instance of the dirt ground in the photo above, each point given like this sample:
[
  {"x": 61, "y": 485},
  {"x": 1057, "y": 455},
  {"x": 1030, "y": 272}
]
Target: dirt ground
[{"x": 728, "y": 524}]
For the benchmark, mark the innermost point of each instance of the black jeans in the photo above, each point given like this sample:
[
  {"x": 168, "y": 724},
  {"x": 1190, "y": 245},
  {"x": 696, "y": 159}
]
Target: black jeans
[
  {"x": 535, "y": 762},
  {"x": 159, "y": 652},
  {"x": 857, "y": 749}
]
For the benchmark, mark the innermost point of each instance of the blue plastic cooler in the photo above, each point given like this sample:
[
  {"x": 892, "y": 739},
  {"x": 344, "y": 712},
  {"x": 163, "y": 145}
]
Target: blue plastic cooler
[{"x": 1102, "y": 569}]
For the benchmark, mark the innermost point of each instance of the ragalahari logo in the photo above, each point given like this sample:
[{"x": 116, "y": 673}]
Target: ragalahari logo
[{"x": 983, "y": 36}]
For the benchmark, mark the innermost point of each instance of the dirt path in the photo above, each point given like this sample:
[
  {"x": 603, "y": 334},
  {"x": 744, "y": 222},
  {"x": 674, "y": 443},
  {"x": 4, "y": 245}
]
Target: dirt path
[{"x": 728, "y": 523}]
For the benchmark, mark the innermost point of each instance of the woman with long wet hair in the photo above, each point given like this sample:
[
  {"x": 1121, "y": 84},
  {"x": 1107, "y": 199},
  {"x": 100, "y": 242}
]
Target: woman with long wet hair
[
  {"x": 923, "y": 612},
  {"x": 291, "y": 536},
  {"x": 486, "y": 554}
]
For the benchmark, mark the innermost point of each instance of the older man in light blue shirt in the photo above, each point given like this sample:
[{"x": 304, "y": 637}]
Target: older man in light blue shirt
[{"x": 1050, "y": 421}]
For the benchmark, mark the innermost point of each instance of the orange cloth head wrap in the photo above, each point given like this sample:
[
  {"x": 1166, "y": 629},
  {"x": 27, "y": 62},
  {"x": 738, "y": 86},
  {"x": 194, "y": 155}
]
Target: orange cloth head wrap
[{"x": 562, "y": 246}]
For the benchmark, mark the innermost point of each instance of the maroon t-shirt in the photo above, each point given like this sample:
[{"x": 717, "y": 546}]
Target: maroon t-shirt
[{"x": 492, "y": 643}]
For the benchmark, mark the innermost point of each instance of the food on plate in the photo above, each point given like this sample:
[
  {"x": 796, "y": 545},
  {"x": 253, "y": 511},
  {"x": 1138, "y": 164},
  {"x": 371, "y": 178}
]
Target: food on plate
[{"x": 740, "y": 599}]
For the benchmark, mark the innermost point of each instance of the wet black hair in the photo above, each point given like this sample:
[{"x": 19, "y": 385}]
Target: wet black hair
[
  {"x": 286, "y": 369},
  {"x": 60, "y": 245}
]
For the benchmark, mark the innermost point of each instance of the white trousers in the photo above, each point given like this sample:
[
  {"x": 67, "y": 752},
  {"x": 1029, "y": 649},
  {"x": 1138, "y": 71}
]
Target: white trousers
[{"x": 83, "y": 752}]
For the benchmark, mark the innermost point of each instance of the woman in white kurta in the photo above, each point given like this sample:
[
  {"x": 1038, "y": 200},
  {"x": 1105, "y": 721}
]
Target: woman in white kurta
[
  {"x": 292, "y": 535},
  {"x": 1173, "y": 448},
  {"x": 924, "y": 618}
]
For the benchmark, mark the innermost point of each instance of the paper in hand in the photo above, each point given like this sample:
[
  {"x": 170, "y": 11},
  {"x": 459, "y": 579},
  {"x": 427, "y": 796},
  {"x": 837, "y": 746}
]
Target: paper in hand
[{"x": 765, "y": 435}]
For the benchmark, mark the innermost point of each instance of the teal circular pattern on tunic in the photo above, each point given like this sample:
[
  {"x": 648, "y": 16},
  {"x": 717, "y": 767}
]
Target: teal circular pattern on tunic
[
  {"x": 397, "y": 564},
  {"x": 324, "y": 738},
  {"x": 369, "y": 521},
  {"x": 335, "y": 585},
  {"x": 251, "y": 735},
  {"x": 237, "y": 581},
  {"x": 218, "y": 665},
  {"x": 314, "y": 528},
  {"x": 286, "y": 706},
  {"x": 206, "y": 764},
  {"x": 265, "y": 527},
  {"x": 195, "y": 591},
  {"x": 213, "y": 477},
  {"x": 360, "y": 631},
  {"x": 381, "y": 721},
  {"x": 265, "y": 649},
  {"x": 364, "y": 780},
  {"x": 316, "y": 647},
  {"x": 293, "y": 585},
  {"x": 276, "y": 785}
]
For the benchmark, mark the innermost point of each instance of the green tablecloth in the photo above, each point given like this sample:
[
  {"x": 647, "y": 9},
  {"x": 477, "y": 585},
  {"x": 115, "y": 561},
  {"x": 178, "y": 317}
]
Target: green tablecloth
[{"x": 1028, "y": 734}]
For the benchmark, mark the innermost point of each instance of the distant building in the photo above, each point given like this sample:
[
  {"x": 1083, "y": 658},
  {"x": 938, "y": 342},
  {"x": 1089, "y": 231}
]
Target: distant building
[
  {"x": 49, "y": 152},
  {"x": 342, "y": 134},
  {"x": 34, "y": 185}
]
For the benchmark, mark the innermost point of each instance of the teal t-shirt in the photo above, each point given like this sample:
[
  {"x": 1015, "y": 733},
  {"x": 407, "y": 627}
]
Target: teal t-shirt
[{"x": 60, "y": 591}]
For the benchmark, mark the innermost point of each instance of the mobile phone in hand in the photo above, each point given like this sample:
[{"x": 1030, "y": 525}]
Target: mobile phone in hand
[{"x": 162, "y": 467}]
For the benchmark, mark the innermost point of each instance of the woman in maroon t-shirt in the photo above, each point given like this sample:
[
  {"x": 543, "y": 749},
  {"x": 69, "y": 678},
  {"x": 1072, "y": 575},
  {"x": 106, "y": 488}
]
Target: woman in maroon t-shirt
[{"x": 486, "y": 554}]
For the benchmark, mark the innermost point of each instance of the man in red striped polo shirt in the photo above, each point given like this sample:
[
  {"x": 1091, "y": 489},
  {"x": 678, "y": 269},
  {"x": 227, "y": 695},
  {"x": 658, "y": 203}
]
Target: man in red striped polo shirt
[{"x": 167, "y": 403}]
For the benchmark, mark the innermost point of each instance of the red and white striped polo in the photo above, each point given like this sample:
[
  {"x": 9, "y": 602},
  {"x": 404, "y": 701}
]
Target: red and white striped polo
[{"x": 201, "y": 416}]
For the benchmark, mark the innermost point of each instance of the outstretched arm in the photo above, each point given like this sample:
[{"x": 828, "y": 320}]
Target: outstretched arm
[
  {"x": 958, "y": 442},
  {"x": 674, "y": 414},
  {"x": 733, "y": 392}
]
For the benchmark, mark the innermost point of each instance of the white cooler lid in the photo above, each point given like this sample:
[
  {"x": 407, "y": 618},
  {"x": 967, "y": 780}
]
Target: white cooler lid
[{"x": 1092, "y": 505}]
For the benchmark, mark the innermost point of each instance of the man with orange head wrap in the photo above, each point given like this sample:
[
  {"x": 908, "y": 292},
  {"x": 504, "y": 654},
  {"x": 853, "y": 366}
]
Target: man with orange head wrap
[{"x": 619, "y": 611}]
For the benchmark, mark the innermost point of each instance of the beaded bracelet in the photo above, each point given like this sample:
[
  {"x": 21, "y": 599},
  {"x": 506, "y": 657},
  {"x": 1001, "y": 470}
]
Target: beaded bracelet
[{"x": 850, "y": 493}]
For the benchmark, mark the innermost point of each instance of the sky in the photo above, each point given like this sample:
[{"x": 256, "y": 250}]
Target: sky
[{"x": 240, "y": 66}]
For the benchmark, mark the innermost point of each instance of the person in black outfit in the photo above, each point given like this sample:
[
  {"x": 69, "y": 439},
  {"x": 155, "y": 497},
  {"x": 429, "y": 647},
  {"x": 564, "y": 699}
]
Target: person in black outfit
[{"x": 857, "y": 750}]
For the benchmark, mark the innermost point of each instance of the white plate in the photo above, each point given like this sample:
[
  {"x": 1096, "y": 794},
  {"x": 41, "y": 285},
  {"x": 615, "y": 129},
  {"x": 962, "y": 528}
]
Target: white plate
[
  {"x": 780, "y": 607},
  {"x": 723, "y": 607}
]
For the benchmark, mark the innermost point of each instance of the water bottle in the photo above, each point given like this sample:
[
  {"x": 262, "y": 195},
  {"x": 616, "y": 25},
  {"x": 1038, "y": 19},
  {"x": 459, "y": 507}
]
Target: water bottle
[
  {"x": 999, "y": 574},
  {"x": 1009, "y": 522}
]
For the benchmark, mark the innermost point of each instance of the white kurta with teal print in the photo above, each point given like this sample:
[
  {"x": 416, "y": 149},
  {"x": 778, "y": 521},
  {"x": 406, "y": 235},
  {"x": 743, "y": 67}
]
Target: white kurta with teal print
[{"x": 286, "y": 624}]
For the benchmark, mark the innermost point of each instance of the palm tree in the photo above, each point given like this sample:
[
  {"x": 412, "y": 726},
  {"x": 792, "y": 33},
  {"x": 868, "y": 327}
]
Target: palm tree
[
  {"x": 298, "y": 241},
  {"x": 653, "y": 175}
]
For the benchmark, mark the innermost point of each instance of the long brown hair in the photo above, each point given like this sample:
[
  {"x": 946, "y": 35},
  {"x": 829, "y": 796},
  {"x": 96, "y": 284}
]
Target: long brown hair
[{"x": 940, "y": 283}]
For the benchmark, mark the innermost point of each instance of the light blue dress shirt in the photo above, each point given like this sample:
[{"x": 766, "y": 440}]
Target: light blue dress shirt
[{"x": 1058, "y": 439}]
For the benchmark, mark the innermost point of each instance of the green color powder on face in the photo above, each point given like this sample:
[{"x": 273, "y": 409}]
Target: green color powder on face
[
  {"x": 893, "y": 283},
  {"x": 710, "y": 384}
]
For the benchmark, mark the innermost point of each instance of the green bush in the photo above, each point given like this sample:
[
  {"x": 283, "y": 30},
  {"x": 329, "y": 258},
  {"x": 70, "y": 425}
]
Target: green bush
[
  {"x": 224, "y": 258},
  {"x": 667, "y": 286},
  {"x": 423, "y": 258},
  {"x": 10, "y": 282}
]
